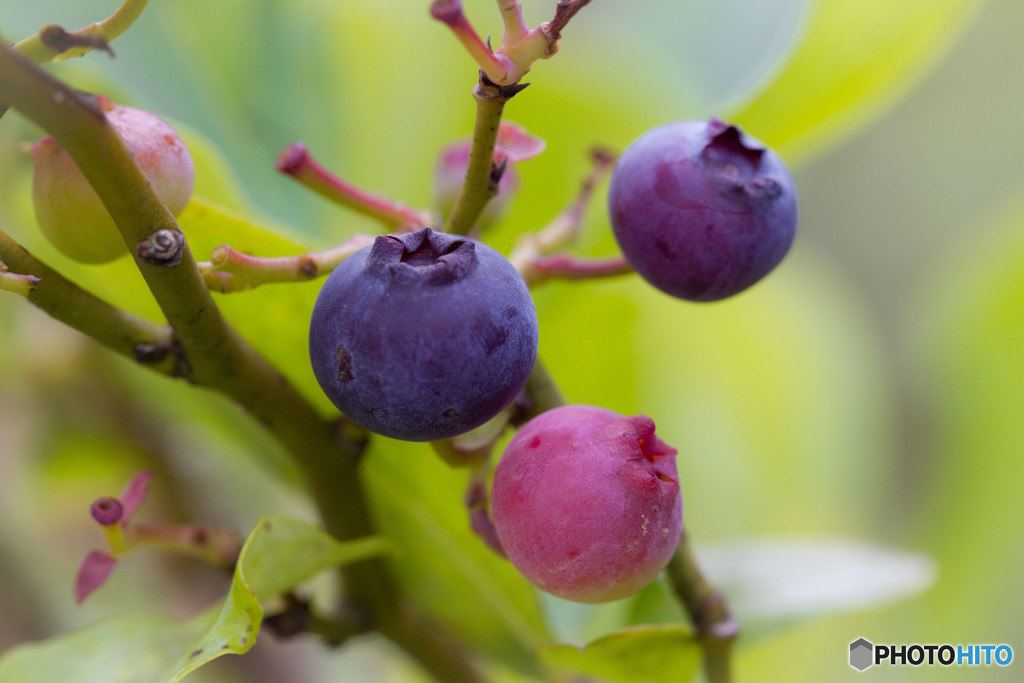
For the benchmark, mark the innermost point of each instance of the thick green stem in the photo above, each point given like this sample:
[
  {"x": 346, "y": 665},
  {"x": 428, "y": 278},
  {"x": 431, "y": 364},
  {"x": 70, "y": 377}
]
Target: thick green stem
[
  {"x": 481, "y": 181},
  {"x": 716, "y": 629},
  {"x": 219, "y": 358}
]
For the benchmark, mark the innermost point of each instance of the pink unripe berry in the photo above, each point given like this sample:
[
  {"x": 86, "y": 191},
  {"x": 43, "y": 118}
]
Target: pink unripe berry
[
  {"x": 69, "y": 211},
  {"x": 587, "y": 504}
]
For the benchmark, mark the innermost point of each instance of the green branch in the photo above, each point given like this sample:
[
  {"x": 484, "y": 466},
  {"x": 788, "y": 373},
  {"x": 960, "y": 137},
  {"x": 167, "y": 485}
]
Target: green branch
[
  {"x": 221, "y": 359},
  {"x": 137, "y": 338},
  {"x": 716, "y": 629},
  {"x": 482, "y": 176},
  {"x": 54, "y": 44}
]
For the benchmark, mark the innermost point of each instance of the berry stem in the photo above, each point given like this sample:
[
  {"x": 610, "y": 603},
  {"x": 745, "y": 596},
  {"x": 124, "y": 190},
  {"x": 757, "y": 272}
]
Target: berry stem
[
  {"x": 220, "y": 359},
  {"x": 716, "y": 629},
  {"x": 54, "y": 44},
  {"x": 477, "y": 504},
  {"x": 569, "y": 267},
  {"x": 145, "y": 342},
  {"x": 297, "y": 162},
  {"x": 531, "y": 248},
  {"x": 482, "y": 174},
  {"x": 542, "y": 391},
  {"x": 230, "y": 271}
]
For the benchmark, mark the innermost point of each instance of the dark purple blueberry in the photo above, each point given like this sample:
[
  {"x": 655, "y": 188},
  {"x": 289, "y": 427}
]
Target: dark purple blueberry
[
  {"x": 423, "y": 336},
  {"x": 701, "y": 210}
]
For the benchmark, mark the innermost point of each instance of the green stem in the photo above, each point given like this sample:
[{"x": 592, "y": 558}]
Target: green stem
[
  {"x": 129, "y": 335},
  {"x": 716, "y": 629},
  {"x": 542, "y": 390},
  {"x": 53, "y": 43},
  {"x": 480, "y": 183},
  {"x": 219, "y": 358}
]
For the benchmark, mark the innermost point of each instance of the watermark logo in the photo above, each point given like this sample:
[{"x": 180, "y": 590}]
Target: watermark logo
[
  {"x": 861, "y": 654},
  {"x": 865, "y": 654}
]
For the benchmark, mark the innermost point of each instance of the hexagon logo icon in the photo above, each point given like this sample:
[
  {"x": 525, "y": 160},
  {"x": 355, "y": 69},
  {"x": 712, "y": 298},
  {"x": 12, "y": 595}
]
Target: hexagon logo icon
[{"x": 861, "y": 654}]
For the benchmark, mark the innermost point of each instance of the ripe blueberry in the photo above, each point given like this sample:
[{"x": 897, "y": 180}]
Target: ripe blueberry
[
  {"x": 71, "y": 214},
  {"x": 701, "y": 210},
  {"x": 423, "y": 336},
  {"x": 587, "y": 504}
]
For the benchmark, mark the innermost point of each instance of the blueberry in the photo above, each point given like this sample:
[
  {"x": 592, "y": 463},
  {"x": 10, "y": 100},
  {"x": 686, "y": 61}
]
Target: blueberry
[
  {"x": 423, "y": 336},
  {"x": 701, "y": 210}
]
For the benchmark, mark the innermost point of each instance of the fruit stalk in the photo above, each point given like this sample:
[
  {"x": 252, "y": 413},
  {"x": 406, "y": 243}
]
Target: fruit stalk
[
  {"x": 219, "y": 358},
  {"x": 531, "y": 248},
  {"x": 566, "y": 266},
  {"x": 229, "y": 270},
  {"x": 498, "y": 68},
  {"x": 296, "y": 161},
  {"x": 709, "y": 613}
]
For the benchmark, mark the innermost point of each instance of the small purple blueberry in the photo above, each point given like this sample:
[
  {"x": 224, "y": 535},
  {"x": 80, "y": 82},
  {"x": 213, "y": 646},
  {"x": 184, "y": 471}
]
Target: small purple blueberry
[
  {"x": 423, "y": 336},
  {"x": 701, "y": 210}
]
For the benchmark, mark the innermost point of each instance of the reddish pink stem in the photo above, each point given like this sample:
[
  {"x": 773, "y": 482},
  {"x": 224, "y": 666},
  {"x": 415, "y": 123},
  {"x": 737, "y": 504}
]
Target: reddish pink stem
[
  {"x": 498, "y": 67},
  {"x": 569, "y": 267},
  {"x": 297, "y": 162}
]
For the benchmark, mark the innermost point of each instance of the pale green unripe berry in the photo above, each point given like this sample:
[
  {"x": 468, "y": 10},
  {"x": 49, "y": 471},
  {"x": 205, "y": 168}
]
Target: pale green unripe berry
[{"x": 69, "y": 211}]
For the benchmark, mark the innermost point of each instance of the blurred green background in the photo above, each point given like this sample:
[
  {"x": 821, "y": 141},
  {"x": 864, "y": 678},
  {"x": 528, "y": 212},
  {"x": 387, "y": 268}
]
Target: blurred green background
[{"x": 871, "y": 389}]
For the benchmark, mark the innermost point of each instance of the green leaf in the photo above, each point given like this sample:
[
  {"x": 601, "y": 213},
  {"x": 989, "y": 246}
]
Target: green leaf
[
  {"x": 856, "y": 60},
  {"x": 642, "y": 654},
  {"x": 771, "y": 583},
  {"x": 279, "y": 554},
  {"x": 123, "y": 649}
]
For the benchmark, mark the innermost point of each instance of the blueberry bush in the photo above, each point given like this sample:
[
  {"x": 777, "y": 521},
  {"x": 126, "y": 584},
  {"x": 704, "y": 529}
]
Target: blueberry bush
[{"x": 381, "y": 403}]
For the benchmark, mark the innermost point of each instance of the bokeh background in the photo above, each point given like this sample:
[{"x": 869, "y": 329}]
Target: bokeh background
[{"x": 870, "y": 390}]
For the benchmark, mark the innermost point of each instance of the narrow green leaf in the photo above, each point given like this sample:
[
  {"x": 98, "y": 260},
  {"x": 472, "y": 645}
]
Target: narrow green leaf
[
  {"x": 641, "y": 654},
  {"x": 771, "y": 583},
  {"x": 279, "y": 554},
  {"x": 443, "y": 565},
  {"x": 856, "y": 59}
]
